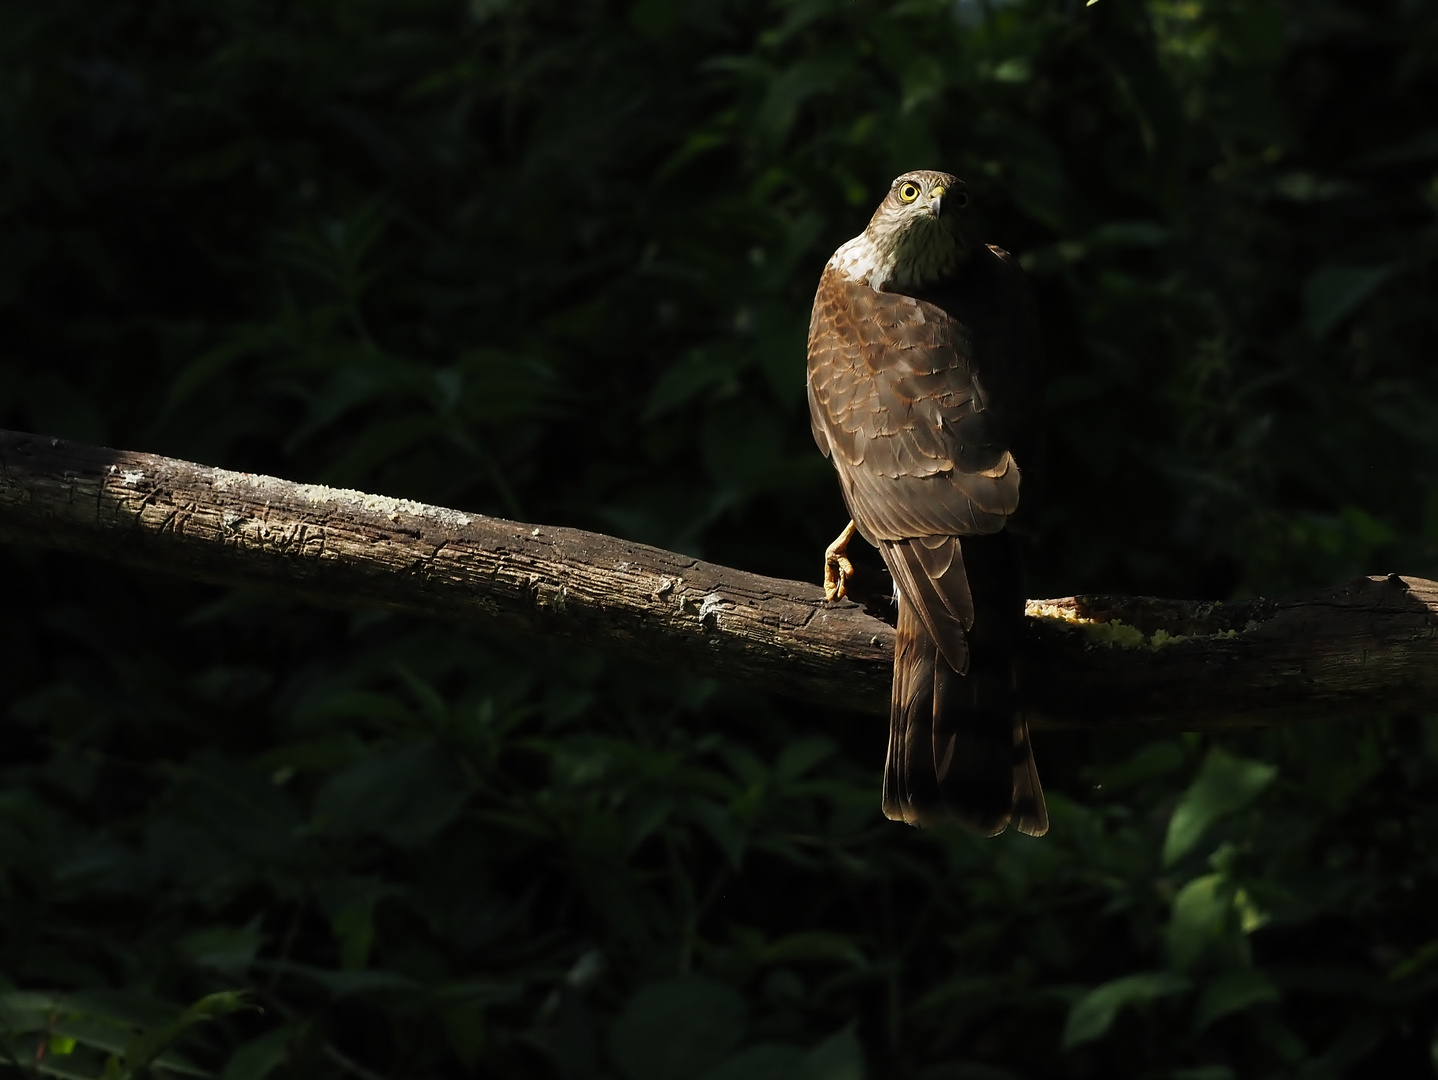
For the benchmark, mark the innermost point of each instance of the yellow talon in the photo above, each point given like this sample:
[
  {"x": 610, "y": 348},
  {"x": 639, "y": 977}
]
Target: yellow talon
[
  {"x": 837, "y": 567},
  {"x": 835, "y": 584}
]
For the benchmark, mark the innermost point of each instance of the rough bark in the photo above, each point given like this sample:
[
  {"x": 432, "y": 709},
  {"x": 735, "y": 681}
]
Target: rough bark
[{"x": 1370, "y": 645}]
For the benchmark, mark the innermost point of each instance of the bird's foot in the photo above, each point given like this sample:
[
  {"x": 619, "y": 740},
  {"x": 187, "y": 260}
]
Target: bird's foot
[
  {"x": 837, "y": 572},
  {"x": 837, "y": 567}
]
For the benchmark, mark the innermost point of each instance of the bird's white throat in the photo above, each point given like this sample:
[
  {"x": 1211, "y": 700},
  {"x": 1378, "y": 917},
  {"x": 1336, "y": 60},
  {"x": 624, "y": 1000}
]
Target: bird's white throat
[{"x": 893, "y": 259}]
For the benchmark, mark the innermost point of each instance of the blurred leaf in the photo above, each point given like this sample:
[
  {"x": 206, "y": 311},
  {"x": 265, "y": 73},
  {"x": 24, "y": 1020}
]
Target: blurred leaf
[
  {"x": 405, "y": 794},
  {"x": 1225, "y": 785},
  {"x": 1155, "y": 759},
  {"x": 839, "y": 1057},
  {"x": 24, "y": 1011},
  {"x": 1332, "y": 293},
  {"x": 1230, "y": 992},
  {"x": 226, "y": 949},
  {"x": 149, "y": 1045},
  {"x": 814, "y": 945},
  {"x": 49, "y": 1068},
  {"x": 799, "y": 757},
  {"x": 719, "y": 823},
  {"x": 343, "y": 983},
  {"x": 690, "y": 376},
  {"x": 350, "y": 905},
  {"x": 677, "y": 1029},
  {"x": 1203, "y": 918},
  {"x": 259, "y": 1057},
  {"x": 1093, "y": 1014},
  {"x": 1422, "y": 957}
]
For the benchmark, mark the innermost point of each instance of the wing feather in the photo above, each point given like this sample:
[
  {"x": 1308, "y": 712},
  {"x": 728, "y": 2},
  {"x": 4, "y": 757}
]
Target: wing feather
[{"x": 897, "y": 401}]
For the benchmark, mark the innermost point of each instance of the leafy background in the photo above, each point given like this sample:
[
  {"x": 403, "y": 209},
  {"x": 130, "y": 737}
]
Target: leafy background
[{"x": 553, "y": 261}]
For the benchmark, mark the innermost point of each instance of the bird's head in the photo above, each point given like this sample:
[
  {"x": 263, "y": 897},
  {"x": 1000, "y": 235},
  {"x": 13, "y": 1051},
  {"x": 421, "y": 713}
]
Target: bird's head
[{"x": 917, "y": 236}]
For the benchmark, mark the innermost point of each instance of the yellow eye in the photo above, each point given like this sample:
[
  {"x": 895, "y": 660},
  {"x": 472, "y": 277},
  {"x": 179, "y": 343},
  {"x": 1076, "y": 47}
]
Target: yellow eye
[{"x": 908, "y": 192}]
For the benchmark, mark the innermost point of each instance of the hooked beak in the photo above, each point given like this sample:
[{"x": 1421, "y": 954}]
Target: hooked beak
[{"x": 936, "y": 202}]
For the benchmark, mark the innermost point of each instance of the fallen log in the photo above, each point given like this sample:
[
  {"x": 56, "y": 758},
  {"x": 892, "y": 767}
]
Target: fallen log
[{"x": 1367, "y": 646}]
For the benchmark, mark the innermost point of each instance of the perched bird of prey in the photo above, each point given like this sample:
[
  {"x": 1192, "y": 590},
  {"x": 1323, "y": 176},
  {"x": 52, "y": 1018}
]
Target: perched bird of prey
[{"x": 925, "y": 390}]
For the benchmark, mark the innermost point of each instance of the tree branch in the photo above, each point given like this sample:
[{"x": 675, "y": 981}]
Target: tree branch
[{"x": 1090, "y": 660}]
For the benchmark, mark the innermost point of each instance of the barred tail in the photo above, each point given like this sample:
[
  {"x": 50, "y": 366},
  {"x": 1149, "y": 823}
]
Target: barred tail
[{"x": 958, "y": 744}]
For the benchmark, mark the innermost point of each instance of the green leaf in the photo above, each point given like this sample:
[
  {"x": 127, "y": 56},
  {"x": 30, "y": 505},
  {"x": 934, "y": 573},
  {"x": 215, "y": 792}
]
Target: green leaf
[
  {"x": 801, "y": 756},
  {"x": 1424, "y": 956},
  {"x": 226, "y": 949},
  {"x": 721, "y": 826},
  {"x": 694, "y": 374},
  {"x": 259, "y": 1057},
  {"x": 1231, "y": 992},
  {"x": 1094, "y": 1013},
  {"x": 1203, "y": 917},
  {"x": 150, "y": 1044},
  {"x": 350, "y": 904},
  {"x": 342, "y": 983},
  {"x": 839, "y": 1057},
  {"x": 1333, "y": 292},
  {"x": 405, "y": 793},
  {"x": 1225, "y": 784},
  {"x": 49, "y": 1068},
  {"x": 1155, "y": 759},
  {"x": 676, "y": 1029},
  {"x": 94, "y": 1030},
  {"x": 23, "y": 1011},
  {"x": 815, "y": 945}
]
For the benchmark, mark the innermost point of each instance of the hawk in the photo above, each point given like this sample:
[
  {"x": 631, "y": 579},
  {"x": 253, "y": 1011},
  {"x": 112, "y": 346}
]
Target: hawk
[{"x": 925, "y": 391}]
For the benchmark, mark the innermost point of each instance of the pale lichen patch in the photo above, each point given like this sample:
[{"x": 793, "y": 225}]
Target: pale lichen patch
[
  {"x": 320, "y": 494},
  {"x": 1113, "y": 633},
  {"x": 1118, "y": 634},
  {"x": 1038, "y": 609},
  {"x": 709, "y": 611}
]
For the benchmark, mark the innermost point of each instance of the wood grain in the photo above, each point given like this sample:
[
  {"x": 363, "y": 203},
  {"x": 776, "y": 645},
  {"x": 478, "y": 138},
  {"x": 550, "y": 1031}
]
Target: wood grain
[{"x": 1368, "y": 646}]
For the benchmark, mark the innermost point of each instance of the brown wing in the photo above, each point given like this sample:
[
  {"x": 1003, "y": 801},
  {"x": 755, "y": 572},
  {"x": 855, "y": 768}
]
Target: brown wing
[
  {"x": 920, "y": 440},
  {"x": 897, "y": 401}
]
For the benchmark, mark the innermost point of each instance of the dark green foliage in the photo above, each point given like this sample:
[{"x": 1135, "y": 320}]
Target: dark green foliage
[{"x": 553, "y": 261}]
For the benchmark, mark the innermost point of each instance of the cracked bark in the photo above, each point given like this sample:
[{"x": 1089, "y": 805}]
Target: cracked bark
[{"x": 1370, "y": 645}]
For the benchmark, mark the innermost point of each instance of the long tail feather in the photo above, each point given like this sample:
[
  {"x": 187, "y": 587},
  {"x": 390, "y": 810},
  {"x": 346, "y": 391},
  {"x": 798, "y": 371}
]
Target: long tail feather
[{"x": 958, "y": 746}]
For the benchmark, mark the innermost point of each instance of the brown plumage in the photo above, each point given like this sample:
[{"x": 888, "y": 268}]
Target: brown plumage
[{"x": 925, "y": 391}]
